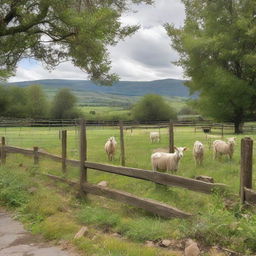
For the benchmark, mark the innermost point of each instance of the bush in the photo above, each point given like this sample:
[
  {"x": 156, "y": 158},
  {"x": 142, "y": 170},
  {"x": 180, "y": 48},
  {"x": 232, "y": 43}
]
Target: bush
[
  {"x": 153, "y": 108},
  {"x": 63, "y": 105}
]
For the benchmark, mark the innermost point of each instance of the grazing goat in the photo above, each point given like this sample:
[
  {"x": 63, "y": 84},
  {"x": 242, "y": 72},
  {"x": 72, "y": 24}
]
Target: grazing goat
[
  {"x": 224, "y": 148},
  {"x": 154, "y": 137},
  {"x": 198, "y": 152},
  {"x": 167, "y": 161},
  {"x": 110, "y": 148}
]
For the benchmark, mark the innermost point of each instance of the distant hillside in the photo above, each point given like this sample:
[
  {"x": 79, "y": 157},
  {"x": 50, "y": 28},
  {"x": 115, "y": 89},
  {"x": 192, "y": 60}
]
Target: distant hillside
[{"x": 120, "y": 92}]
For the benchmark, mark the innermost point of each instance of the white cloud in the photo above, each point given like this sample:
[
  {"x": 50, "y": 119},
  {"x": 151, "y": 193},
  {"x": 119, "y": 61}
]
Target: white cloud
[{"x": 147, "y": 55}]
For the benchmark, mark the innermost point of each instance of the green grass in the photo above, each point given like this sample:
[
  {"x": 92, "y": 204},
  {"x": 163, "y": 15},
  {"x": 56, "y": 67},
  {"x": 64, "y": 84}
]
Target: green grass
[{"x": 215, "y": 222}]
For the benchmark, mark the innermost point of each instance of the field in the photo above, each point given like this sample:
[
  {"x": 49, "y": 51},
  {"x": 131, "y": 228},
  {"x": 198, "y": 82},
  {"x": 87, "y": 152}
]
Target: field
[
  {"x": 218, "y": 218},
  {"x": 120, "y": 112}
]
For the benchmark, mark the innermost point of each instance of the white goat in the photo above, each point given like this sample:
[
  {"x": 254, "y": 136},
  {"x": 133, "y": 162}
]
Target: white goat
[
  {"x": 154, "y": 137},
  {"x": 224, "y": 148},
  {"x": 198, "y": 152},
  {"x": 167, "y": 161},
  {"x": 110, "y": 147}
]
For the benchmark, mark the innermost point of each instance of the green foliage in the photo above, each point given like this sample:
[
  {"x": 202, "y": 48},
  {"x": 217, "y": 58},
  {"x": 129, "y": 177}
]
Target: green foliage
[
  {"x": 13, "y": 188},
  {"x": 17, "y": 102},
  {"x": 4, "y": 100},
  {"x": 37, "y": 105},
  {"x": 142, "y": 229},
  {"x": 63, "y": 105},
  {"x": 53, "y": 31},
  {"x": 187, "y": 110},
  {"x": 216, "y": 51},
  {"x": 100, "y": 217},
  {"x": 152, "y": 107},
  {"x": 57, "y": 226}
]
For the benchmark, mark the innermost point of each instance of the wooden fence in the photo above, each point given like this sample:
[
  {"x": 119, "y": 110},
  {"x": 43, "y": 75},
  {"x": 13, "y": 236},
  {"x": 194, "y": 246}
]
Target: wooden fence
[{"x": 153, "y": 206}]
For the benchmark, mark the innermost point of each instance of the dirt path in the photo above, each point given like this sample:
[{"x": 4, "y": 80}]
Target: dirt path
[{"x": 16, "y": 241}]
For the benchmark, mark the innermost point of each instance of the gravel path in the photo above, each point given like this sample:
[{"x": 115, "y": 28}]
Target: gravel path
[{"x": 16, "y": 241}]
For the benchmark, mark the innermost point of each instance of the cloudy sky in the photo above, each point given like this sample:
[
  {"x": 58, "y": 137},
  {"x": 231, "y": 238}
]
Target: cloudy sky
[{"x": 145, "y": 56}]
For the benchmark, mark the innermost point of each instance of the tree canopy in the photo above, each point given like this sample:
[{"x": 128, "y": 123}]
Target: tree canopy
[
  {"x": 63, "y": 105},
  {"x": 217, "y": 51},
  {"x": 152, "y": 107},
  {"x": 53, "y": 31}
]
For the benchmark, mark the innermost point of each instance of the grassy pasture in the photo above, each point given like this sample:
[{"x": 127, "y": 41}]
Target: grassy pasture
[{"x": 219, "y": 219}]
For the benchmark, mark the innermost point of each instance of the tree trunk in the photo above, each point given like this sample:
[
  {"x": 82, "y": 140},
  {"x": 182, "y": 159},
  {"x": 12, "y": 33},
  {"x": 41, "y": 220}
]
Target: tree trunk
[{"x": 238, "y": 127}]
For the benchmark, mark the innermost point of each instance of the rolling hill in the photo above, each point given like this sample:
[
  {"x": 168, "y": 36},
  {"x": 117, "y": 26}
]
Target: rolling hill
[{"x": 120, "y": 93}]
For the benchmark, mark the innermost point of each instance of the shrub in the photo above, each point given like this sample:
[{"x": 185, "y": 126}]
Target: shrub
[{"x": 153, "y": 108}]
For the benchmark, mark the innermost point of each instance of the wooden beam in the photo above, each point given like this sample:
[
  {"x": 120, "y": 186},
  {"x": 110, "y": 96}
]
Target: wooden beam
[
  {"x": 160, "y": 209},
  {"x": 157, "y": 177},
  {"x": 122, "y": 143},
  {"x": 64, "y": 150},
  {"x": 171, "y": 138},
  {"x": 11, "y": 149},
  {"x": 83, "y": 156},
  {"x": 246, "y": 166},
  {"x": 3, "y": 151},
  {"x": 36, "y": 155}
]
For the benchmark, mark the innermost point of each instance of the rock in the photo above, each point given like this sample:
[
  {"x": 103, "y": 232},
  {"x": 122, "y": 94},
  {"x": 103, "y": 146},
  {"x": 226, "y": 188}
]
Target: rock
[
  {"x": 191, "y": 248},
  {"x": 166, "y": 243},
  {"x": 150, "y": 243},
  {"x": 205, "y": 178},
  {"x": 116, "y": 235},
  {"x": 81, "y": 232},
  {"x": 103, "y": 183},
  {"x": 32, "y": 190}
]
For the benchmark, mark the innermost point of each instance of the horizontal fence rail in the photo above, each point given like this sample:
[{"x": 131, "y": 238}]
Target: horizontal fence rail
[
  {"x": 157, "y": 177},
  {"x": 150, "y": 205}
]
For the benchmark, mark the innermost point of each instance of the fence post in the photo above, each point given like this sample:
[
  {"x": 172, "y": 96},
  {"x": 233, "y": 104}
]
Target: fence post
[
  {"x": 222, "y": 131},
  {"x": 64, "y": 150},
  {"x": 122, "y": 143},
  {"x": 171, "y": 138},
  {"x": 36, "y": 155},
  {"x": 3, "y": 153},
  {"x": 83, "y": 156},
  {"x": 246, "y": 166}
]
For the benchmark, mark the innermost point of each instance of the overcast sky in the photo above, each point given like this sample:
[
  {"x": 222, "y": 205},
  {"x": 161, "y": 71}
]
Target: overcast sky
[{"x": 145, "y": 56}]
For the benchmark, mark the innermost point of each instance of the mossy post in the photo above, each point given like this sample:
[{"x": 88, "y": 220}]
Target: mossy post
[
  {"x": 83, "y": 156},
  {"x": 3, "y": 153},
  {"x": 122, "y": 143},
  {"x": 171, "y": 138},
  {"x": 64, "y": 150},
  {"x": 36, "y": 156},
  {"x": 246, "y": 166}
]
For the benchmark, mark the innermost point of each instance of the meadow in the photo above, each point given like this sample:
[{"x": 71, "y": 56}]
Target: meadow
[{"x": 218, "y": 219}]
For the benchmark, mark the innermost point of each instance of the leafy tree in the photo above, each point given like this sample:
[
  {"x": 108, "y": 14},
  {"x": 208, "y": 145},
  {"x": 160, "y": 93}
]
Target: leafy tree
[
  {"x": 37, "y": 105},
  {"x": 54, "y": 31},
  {"x": 63, "y": 105},
  {"x": 152, "y": 107},
  {"x": 17, "y": 102},
  {"x": 4, "y": 100},
  {"x": 217, "y": 51}
]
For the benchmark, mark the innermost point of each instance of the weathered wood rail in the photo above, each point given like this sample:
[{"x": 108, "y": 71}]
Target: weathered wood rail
[
  {"x": 156, "y": 177},
  {"x": 150, "y": 205}
]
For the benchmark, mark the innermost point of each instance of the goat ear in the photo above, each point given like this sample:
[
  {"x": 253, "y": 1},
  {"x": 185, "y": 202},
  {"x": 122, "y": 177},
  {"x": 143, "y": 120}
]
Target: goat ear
[
  {"x": 184, "y": 149},
  {"x": 175, "y": 148}
]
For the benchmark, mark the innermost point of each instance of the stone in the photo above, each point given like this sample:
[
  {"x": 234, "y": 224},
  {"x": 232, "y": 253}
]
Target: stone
[
  {"x": 81, "y": 232},
  {"x": 149, "y": 243},
  {"x": 32, "y": 190},
  {"x": 103, "y": 183},
  {"x": 116, "y": 234},
  {"x": 205, "y": 178},
  {"x": 166, "y": 243},
  {"x": 191, "y": 248}
]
